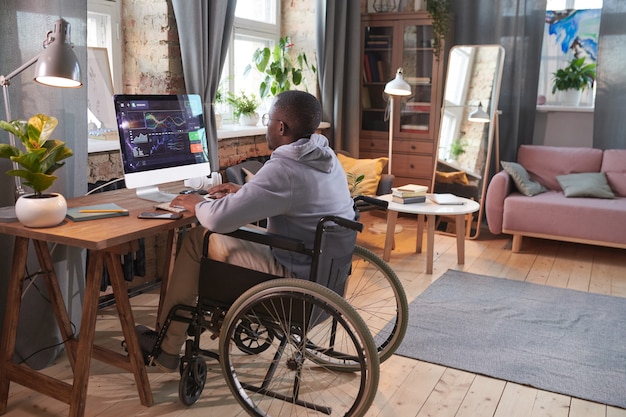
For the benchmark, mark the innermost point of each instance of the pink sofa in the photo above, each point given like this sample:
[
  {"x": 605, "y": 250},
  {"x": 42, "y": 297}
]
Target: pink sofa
[{"x": 552, "y": 215}]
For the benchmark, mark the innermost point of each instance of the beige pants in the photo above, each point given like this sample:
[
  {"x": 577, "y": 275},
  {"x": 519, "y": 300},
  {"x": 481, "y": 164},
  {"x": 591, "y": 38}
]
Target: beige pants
[{"x": 183, "y": 284}]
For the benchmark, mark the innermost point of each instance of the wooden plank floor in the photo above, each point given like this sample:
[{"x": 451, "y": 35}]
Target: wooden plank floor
[{"x": 408, "y": 388}]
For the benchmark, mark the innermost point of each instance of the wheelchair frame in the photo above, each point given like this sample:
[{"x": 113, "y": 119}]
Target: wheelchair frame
[{"x": 320, "y": 345}]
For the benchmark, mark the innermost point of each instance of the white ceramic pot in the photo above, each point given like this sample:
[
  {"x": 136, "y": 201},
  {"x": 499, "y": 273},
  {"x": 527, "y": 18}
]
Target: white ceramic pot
[
  {"x": 46, "y": 211},
  {"x": 571, "y": 97},
  {"x": 249, "y": 119}
]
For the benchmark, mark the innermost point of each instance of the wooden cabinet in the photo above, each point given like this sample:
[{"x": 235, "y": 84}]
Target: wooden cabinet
[{"x": 401, "y": 40}]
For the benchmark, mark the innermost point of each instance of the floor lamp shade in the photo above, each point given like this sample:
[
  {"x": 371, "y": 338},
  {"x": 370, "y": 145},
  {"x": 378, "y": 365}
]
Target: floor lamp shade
[{"x": 395, "y": 87}]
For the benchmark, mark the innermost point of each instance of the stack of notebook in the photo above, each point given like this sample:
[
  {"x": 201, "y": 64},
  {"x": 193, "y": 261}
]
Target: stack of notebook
[{"x": 409, "y": 194}]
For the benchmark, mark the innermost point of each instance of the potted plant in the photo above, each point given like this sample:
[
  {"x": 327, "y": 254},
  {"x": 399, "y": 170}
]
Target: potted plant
[
  {"x": 40, "y": 159},
  {"x": 244, "y": 107},
  {"x": 457, "y": 149},
  {"x": 439, "y": 11},
  {"x": 281, "y": 73},
  {"x": 573, "y": 79}
]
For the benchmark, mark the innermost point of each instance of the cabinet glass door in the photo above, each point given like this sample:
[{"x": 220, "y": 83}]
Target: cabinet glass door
[
  {"x": 377, "y": 71},
  {"x": 417, "y": 64}
]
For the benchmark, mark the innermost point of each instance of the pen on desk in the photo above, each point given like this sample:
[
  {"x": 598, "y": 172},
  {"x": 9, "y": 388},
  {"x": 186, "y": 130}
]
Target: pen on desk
[{"x": 103, "y": 211}]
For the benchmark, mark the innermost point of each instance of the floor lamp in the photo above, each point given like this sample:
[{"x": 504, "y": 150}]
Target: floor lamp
[
  {"x": 57, "y": 66},
  {"x": 394, "y": 88}
]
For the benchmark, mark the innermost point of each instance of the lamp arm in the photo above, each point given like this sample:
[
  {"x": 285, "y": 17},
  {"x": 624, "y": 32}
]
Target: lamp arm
[{"x": 5, "y": 81}]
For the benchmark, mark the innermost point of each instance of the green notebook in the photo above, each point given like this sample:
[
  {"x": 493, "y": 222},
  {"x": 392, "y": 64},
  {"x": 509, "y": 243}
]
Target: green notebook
[{"x": 75, "y": 214}]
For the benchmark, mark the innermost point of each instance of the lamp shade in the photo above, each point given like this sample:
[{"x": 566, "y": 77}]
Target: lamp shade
[
  {"x": 57, "y": 65},
  {"x": 479, "y": 115},
  {"x": 397, "y": 86}
]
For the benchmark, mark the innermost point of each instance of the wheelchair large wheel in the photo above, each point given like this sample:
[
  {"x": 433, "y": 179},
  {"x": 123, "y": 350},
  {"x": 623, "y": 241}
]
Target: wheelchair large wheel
[
  {"x": 375, "y": 292},
  {"x": 282, "y": 380}
]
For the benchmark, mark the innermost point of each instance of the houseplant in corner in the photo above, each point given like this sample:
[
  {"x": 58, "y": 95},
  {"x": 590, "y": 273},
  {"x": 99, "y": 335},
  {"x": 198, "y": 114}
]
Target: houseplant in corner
[
  {"x": 244, "y": 108},
  {"x": 40, "y": 159},
  {"x": 572, "y": 80}
]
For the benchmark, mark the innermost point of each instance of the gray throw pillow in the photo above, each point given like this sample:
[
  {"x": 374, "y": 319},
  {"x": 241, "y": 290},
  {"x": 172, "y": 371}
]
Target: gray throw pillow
[
  {"x": 585, "y": 184},
  {"x": 522, "y": 180}
]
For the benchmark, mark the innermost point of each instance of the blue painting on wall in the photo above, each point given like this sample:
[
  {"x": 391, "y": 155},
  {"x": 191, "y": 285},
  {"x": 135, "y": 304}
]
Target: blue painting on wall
[{"x": 574, "y": 33}]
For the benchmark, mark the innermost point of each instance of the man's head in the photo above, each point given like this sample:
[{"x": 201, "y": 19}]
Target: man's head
[{"x": 294, "y": 114}]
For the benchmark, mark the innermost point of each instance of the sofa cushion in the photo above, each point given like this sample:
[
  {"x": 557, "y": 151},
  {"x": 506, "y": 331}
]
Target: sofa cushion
[
  {"x": 615, "y": 168},
  {"x": 545, "y": 163},
  {"x": 585, "y": 184},
  {"x": 522, "y": 179},
  {"x": 551, "y": 213},
  {"x": 371, "y": 169}
]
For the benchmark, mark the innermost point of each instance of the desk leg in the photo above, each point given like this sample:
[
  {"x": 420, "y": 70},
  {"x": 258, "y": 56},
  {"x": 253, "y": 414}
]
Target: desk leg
[
  {"x": 392, "y": 217},
  {"x": 460, "y": 238},
  {"x": 56, "y": 300},
  {"x": 430, "y": 244},
  {"x": 11, "y": 315},
  {"x": 128, "y": 328}
]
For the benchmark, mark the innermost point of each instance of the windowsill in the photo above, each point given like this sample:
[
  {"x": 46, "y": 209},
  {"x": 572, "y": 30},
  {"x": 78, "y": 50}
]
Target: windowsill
[
  {"x": 547, "y": 108},
  {"x": 226, "y": 132}
]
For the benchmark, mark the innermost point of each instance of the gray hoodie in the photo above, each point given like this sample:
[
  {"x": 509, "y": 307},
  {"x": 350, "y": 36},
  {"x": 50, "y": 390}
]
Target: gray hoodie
[{"x": 302, "y": 182}]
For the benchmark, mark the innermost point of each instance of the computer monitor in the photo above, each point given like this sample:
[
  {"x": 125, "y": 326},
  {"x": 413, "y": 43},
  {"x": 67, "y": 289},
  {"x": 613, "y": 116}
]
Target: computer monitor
[{"x": 162, "y": 139}]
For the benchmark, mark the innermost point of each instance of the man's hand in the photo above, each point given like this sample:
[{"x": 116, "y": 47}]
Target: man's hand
[
  {"x": 188, "y": 201},
  {"x": 221, "y": 190}
]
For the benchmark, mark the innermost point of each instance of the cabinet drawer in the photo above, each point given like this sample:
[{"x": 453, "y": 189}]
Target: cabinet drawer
[
  {"x": 415, "y": 166},
  {"x": 408, "y": 146},
  {"x": 413, "y": 146}
]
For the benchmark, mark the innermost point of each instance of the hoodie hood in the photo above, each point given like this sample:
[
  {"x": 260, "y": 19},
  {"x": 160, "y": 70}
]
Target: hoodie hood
[{"x": 313, "y": 151}]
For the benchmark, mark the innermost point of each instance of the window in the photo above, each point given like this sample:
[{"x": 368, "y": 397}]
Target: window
[
  {"x": 578, "y": 38},
  {"x": 256, "y": 26},
  {"x": 103, "y": 41}
]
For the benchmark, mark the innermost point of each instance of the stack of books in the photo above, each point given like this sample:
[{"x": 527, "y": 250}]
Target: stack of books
[{"x": 409, "y": 194}]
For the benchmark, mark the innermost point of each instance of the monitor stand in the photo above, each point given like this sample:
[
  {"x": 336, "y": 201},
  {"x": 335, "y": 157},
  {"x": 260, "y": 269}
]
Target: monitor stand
[{"x": 153, "y": 193}]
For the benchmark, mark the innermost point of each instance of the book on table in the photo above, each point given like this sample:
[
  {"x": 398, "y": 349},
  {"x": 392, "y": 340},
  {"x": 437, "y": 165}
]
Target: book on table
[
  {"x": 99, "y": 211},
  {"x": 445, "y": 199},
  {"x": 408, "y": 200},
  {"x": 409, "y": 190}
]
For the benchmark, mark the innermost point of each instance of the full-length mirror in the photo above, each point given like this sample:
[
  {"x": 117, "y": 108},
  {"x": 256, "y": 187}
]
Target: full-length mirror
[{"x": 468, "y": 124}]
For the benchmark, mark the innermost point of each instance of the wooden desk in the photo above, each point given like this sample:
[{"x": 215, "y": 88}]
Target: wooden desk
[{"x": 106, "y": 238}]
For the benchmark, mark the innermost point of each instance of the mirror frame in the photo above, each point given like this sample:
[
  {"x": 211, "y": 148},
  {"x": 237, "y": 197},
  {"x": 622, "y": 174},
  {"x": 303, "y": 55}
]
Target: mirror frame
[{"x": 492, "y": 133}]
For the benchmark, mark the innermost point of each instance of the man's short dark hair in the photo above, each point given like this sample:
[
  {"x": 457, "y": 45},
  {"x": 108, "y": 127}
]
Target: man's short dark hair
[{"x": 302, "y": 111}]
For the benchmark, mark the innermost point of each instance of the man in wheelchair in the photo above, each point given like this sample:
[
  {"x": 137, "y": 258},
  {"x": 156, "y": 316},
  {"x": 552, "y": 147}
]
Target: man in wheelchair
[{"x": 301, "y": 182}]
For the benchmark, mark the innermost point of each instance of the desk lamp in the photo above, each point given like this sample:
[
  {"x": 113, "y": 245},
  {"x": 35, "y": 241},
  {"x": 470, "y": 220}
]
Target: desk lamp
[
  {"x": 57, "y": 66},
  {"x": 395, "y": 88}
]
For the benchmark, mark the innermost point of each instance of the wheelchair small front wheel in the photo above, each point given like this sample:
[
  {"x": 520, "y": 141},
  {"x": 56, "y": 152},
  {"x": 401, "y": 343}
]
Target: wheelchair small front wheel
[
  {"x": 192, "y": 381},
  {"x": 253, "y": 338}
]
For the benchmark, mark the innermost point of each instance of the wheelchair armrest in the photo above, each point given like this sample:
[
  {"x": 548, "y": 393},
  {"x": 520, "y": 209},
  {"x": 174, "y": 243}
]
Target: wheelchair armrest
[{"x": 271, "y": 239}]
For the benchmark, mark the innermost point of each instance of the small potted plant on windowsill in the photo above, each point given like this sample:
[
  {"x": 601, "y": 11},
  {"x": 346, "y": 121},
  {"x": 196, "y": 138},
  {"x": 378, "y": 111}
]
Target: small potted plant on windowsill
[
  {"x": 40, "y": 159},
  {"x": 244, "y": 108},
  {"x": 572, "y": 80}
]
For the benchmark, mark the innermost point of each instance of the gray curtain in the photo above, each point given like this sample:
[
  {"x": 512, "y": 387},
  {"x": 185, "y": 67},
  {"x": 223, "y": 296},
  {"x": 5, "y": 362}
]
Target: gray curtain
[
  {"x": 609, "y": 123},
  {"x": 204, "y": 37},
  {"x": 517, "y": 25},
  {"x": 38, "y": 338},
  {"x": 338, "y": 52}
]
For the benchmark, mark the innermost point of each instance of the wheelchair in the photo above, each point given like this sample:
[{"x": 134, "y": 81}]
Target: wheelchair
[{"x": 286, "y": 346}]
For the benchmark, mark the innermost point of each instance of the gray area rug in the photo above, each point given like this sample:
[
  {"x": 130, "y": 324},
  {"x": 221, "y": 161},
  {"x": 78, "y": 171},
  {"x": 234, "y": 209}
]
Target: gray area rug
[{"x": 554, "y": 339}]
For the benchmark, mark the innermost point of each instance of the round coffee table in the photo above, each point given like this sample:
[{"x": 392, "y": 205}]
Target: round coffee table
[{"x": 430, "y": 210}]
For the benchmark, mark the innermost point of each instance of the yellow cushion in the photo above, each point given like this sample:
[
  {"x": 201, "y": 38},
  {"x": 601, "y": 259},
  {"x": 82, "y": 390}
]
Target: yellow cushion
[
  {"x": 455, "y": 177},
  {"x": 371, "y": 169}
]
